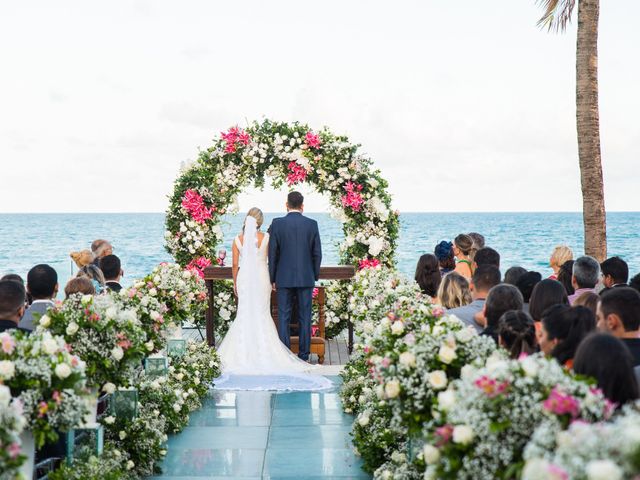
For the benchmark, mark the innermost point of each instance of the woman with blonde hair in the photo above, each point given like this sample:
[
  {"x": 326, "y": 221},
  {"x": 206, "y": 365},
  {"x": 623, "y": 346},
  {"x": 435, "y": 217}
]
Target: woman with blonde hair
[
  {"x": 454, "y": 291},
  {"x": 462, "y": 246},
  {"x": 82, "y": 258},
  {"x": 559, "y": 256}
]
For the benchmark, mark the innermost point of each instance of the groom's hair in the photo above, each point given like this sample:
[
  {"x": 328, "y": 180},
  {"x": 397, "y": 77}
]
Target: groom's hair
[{"x": 295, "y": 200}]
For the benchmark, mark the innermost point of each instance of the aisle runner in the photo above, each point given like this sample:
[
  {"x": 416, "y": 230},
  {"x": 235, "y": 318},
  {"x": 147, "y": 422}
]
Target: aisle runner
[{"x": 253, "y": 435}]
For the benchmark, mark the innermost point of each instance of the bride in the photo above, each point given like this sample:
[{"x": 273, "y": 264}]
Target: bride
[{"x": 252, "y": 355}]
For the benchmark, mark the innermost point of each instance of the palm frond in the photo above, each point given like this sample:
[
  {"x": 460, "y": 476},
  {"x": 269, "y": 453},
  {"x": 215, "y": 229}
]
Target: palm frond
[{"x": 557, "y": 14}]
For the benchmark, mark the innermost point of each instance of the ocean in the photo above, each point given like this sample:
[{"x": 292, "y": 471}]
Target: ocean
[{"x": 524, "y": 239}]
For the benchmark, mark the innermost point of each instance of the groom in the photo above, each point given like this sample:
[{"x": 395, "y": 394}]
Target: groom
[{"x": 295, "y": 254}]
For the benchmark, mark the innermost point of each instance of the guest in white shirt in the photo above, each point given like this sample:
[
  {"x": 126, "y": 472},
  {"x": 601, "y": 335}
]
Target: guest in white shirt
[{"x": 42, "y": 284}]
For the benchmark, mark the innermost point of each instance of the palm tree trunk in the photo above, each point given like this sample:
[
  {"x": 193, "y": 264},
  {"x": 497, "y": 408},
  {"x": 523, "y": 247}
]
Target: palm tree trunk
[{"x": 588, "y": 128}]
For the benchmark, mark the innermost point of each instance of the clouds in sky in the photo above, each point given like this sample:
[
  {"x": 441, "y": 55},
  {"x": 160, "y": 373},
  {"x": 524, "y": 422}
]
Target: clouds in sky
[{"x": 463, "y": 105}]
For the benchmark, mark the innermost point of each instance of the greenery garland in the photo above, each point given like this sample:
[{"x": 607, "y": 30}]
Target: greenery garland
[{"x": 287, "y": 154}]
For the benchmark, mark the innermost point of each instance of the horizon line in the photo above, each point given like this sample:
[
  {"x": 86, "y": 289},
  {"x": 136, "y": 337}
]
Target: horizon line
[{"x": 312, "y": 211}]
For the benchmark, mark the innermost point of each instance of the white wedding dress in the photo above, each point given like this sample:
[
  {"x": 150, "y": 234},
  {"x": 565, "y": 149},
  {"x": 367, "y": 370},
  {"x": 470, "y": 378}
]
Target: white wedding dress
[{"x": 251, "y": 354}]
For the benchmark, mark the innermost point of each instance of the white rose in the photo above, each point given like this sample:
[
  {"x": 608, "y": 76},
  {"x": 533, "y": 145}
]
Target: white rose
[
  {"x": 122, "y": 434},
  {"x": 109, "y": 388},
  {"x": 196, "y": 381},
  {"x": 130, "y": 465},
  {"x": 530, "y": 366},
  {"x": 49, "y": 346},
  {"x": 398, "y": 457},
  {"x": 109, "y": 420},
  {"x": 376, "y": 244},
  {"x": 431, "y": 454},
  {"x": 149, "y": 345},
  {"x": 363, "y": 420},
  {"x": 536, "y": 469},
  {"x": 446, "y": 399},
  {"x": 5, "y": 396},
  {"x": 225, "y": 314},
  {"x": 153, "y": 292},
  {"x": 45, "y": 321},
  {"x": 111, "y": 312},
  {"x": 117, "y": 353},
  {"x": 438, "y": 379},
  {"x": 72, "y": 328},
  {"x": 63, "y": 370},
  {"x": 397, "y": 327},
  {"x": 603, "y": 470},
  {"x": 408, "y": 359},
  {"x": 465, "y": 335},
  {"x": 86, "y": 299},
  {"x": 462, "y": 434},
  {"x": 176, "y": 407},
  {"x": 180, "y": 376},
  {"x": 379, "y": 392},
  {"x": 467, "y": 371},
  {"x": 392, "y": 389},
  {"x": 447, "y": 354}
]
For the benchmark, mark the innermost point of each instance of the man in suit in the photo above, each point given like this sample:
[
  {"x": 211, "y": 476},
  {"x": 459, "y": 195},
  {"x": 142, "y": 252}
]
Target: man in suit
[
  {"x": 615, "y": 273},
  {"x": 42, "y": 284},
  {"x": 295, "y": 254},
  {"x": 12, "y": 304},
  {"x": 112, "y": 271}
]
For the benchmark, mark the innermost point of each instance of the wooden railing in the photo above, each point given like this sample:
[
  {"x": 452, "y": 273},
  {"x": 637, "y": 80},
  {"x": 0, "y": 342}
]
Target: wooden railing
[{"x": 213, "y": 274}]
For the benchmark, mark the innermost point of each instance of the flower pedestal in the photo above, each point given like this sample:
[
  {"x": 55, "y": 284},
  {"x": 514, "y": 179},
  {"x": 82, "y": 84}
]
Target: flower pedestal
[
  {"x": 124, "y": 403},
  {"x": 91, "y": 437},
  {"x": 28, "y": 448}
]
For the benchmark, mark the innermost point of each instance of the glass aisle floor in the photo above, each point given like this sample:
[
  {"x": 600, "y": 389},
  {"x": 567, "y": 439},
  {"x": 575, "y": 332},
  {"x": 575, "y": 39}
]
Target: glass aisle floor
[{"x": 264, "y": 435}]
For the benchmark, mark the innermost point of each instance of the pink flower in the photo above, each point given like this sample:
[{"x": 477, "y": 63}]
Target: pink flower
[
  {"x": 233, "y": 138},
  {"x": 43, "y": 408},
  {"x": 437, "y": 312},
  {"x": 197, "y": 266},
  {"x": 490, "y": 386},
  {"x": 557, "y": 473},
  {"x": 8, "y": 344},
  {"x": 368, "y": 263},
  {"x": 57, "y": 397},
  {"x": 386, "y": 361},
  {"x": 315, "y": 293},
  {"x": 14, "y": 450},
  {"x": 312, "y": 139},
  {"x": 193, "y": 203},
  {"x": 559, "y": 403},
  {"x": 297, "y": 174},
  {"x": 353, "y": 198},
  {"x": 444, "y": 434}
]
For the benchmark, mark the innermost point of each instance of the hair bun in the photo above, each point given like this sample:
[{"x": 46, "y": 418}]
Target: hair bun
[{"x": 82, "y": 258}]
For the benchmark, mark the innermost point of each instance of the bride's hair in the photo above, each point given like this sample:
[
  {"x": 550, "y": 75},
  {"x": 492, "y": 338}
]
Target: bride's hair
[{"x": 256, "y": 213}]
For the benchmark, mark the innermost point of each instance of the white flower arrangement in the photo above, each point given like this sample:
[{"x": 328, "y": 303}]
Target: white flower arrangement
[{"x": 12, "y": 422}]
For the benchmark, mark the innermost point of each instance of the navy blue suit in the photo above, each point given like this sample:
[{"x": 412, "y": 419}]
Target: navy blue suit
[{"x": 295, "y": 254}]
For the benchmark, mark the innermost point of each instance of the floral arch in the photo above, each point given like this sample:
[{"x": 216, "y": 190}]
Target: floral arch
[{"x": 288, "y": 154}]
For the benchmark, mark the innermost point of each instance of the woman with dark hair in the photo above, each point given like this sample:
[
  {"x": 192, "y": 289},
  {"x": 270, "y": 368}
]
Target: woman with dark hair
[
  {"x": 564, "y": 276},
  {"x": 562, "y": 329},
  {"x": 462, "y": 246},
  {"x": 428, "y": 275},
  {"x": 605, "y": 358},
  {"x": 546, "y": 294},
  {"x": 517, "y": 333},
  {"x": 512, "y": 274},
  {"x": 444, "y": 254}
]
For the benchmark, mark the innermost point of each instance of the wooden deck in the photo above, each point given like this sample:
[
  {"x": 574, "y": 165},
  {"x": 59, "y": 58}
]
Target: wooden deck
[{"x": 336, "y": 353}]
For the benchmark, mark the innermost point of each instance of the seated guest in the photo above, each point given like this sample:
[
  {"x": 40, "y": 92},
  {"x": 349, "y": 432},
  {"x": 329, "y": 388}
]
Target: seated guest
[
  {"x": 635, "y": 282},
  {"x": 586, "y": 273},
  {"x": 517, "y": 333},
  {"x": 562, "y": 330},
  {"x": 486, "y": 256},
  {"x": 512, "y": 274},
  {"x": 546, "y": 294},
  {"x": 565, "y": 275},
  {"x": 112, "y": 271},
  {"x": 560, "y": 255},
  {"x": 526, "y": 283},
  {"x": 619, "y": 315},
  {"x": 615, "y": 273},
  {"x": 428, "y": 275},
  {"x": 14, "y": 277},
  {"x": 589, "y": 300},
  {"x": 82, "y": 258},
  {"x": 500, "y": 300},
  {"x": 461, "y": 250},
  {"x": 444, "y": 254},
  {"x": 79, "y": 285},
  {"x": 478, "y": 243},
  {"x": 484, "y": 279},
  {"x": 42, "y": 284},
  {"x": 94, "y": 274},
  {"x": 100, "y": 249},
  {"x": 454, "y": 291},
  {"x": 604, "y": 358},
  {"x": 12, "y": 304}
]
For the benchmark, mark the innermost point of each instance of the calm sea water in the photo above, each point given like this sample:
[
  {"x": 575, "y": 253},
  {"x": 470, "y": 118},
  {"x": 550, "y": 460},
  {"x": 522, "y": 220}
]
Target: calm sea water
[{"x": 524, "y": 239}]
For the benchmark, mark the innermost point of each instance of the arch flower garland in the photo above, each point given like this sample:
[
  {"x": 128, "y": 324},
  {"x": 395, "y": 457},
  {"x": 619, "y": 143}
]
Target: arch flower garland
[{"x": 288, "y": 154}]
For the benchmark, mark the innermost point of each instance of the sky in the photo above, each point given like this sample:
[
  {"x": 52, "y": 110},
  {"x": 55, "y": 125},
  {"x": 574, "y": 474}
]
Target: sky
[{"x": 464, "y": 106}]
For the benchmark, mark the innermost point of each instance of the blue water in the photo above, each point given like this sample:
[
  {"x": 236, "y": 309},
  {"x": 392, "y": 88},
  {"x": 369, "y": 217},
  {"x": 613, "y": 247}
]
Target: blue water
[{"x": 524, "y": 239}]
